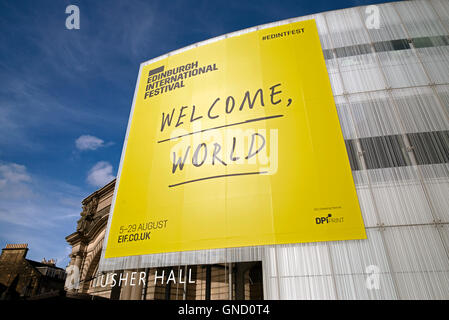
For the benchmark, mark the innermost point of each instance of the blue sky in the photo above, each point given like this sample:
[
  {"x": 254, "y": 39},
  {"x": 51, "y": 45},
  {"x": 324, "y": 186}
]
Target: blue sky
[{"x": 65, "y": 96}]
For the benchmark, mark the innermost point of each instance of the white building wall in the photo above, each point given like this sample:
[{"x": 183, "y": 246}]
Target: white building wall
[
  {"x": 391, "y": 88},
  {"x": 382, "y": 92}
]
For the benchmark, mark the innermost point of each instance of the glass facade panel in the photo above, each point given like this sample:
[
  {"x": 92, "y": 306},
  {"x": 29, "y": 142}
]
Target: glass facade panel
[
  {"x": 361, "y": 73},
  {"x": 402, "y": 68},
  {"x": 419, "y": 110},
  {"x": 419, "y": 18}
]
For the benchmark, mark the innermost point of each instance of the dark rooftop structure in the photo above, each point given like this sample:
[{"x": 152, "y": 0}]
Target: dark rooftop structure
[{"x": 21, "y": 278}]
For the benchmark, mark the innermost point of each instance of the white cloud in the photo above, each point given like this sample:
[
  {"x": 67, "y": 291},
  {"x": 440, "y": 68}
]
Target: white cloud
[
  {"x": 87, "y": 142},
  {"x": 100, "y": 174},
  {"x": 14, "y": 180}
]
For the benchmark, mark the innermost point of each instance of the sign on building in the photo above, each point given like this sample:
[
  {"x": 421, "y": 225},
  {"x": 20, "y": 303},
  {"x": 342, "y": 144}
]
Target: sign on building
[{"x": 234, "y": 143}]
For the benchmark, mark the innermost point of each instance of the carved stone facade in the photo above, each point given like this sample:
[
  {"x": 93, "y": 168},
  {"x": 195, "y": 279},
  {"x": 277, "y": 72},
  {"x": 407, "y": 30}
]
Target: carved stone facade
[
  {"x": 87, "y": 241},
  {"x": 207, "y": 281}
]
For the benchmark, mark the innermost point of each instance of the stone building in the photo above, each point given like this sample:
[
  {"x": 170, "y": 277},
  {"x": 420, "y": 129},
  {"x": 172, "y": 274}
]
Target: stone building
[
  {"x": 192, "y": 282},
  {"x": 21, "y": 278}
]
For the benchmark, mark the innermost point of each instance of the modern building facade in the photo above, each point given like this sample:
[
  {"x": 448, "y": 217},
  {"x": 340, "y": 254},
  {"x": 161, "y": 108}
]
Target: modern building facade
[{"x": 391, "y": 87}]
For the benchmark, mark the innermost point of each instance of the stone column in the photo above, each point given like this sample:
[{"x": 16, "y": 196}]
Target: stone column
[
  {"x": 240, "y": 270},
  {"x": 132, "y": 290},
  {"x": 125, "y": 293},
  {"x": 136, "y": 291}
]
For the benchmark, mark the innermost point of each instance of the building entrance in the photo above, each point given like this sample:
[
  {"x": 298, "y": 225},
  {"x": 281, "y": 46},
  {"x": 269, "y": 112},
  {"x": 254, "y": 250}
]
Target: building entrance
[{"x": 227, "y": 281}]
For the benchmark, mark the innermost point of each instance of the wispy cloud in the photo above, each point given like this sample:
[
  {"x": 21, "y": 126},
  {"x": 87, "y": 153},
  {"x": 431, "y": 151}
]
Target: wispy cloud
[
  {"x": 100, "y": 174},
  {"x": 13, "y": 173},
  {"x": 35, "y": 210},
  {"x": 14, "y": 181},
  {"x": 47, "y": 90}
]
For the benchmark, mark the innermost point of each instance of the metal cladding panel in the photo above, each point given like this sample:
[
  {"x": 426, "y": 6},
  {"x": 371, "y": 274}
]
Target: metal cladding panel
[{"x": 391, "y": 90}]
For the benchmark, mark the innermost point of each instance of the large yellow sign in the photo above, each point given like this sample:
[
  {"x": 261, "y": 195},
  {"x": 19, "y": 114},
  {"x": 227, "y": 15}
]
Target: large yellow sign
[{"x": 235, "y": 143}]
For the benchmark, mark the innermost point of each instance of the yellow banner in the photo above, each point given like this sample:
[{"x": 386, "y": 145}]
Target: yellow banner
[{"x": 235, "y": 143}]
